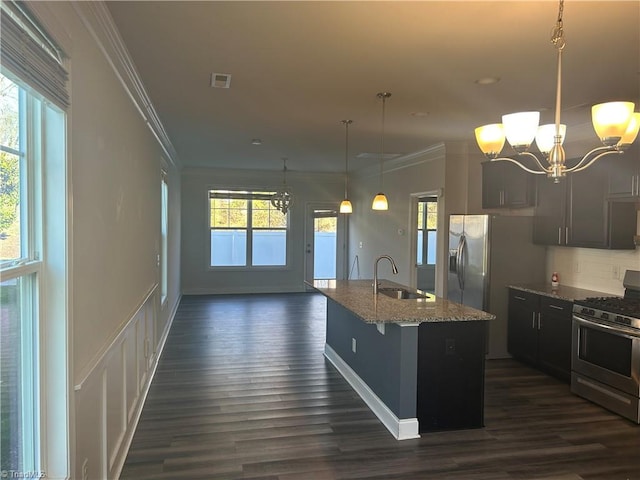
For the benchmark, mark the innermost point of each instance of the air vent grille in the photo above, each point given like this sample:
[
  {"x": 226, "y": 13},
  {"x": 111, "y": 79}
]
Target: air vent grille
[{"x": 220, "y": 80}]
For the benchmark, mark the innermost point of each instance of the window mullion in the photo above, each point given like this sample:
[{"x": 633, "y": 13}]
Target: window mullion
[{"x": 249, "y": 232}]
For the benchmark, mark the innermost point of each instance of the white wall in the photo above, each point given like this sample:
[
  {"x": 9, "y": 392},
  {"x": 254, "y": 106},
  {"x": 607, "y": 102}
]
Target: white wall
[
  {"x": 198, "y": 278},
  {"x": 116, "y": 324},
  {"x": 440, "y": 170}
]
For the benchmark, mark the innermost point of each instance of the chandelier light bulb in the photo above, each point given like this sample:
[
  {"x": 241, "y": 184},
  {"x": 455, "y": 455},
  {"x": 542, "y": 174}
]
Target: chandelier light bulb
[
  {"x": 545, "y": 138},
  {"x": 490, "y": 139},
  {"x": 632, "y": 131},
  {"x": 520, "y": 129},
  {"x": 610, "y": 120}
]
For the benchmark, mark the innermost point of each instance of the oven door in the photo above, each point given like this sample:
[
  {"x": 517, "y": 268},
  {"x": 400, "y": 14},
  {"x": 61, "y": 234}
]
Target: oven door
[{"x": 607, "y": 353}]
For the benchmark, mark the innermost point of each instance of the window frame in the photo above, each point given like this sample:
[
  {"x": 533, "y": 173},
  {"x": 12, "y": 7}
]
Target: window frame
[
  {"x": 422, "y": 227},
  {"x": 29, "y": 267},
  {"x": 249, "y": 195}
]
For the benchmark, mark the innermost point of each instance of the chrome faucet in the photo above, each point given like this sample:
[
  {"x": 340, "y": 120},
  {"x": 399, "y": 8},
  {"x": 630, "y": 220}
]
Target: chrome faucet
[{"x": 394, "y": 269}]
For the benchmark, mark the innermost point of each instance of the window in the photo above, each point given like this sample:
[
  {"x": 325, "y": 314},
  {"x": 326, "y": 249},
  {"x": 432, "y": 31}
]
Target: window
[
  {"x": 21, "y": 269},
  {"x": 246, "y": 230},
  {"x": 164, "y": 234},
  {"x": 427, "y": 225},
  {"x": 34, "y": 362}
]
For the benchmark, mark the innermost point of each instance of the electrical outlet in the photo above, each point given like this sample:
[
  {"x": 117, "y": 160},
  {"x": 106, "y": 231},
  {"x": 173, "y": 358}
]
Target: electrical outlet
[
  {"x": 360, "y": 245},
  {"x": 85, "y": 469},
  {"x": 576, "y": 267},
  {"x": 353, "y": 345},
  {"x": 615, "y": 272}
]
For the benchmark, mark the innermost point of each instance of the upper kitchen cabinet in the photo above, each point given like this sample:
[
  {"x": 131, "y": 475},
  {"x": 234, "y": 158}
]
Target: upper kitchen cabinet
[
  {"x": 624, "y": 175},
  {"x": 505, "y": 185},
  {"x": 576, "y": 212}
]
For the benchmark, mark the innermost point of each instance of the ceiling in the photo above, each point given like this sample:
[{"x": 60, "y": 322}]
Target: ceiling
[{"x": 299, "y": 68}]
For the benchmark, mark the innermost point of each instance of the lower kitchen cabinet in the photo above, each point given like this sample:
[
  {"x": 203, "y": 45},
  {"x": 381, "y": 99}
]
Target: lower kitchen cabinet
[{"x": 539, "y": 332}]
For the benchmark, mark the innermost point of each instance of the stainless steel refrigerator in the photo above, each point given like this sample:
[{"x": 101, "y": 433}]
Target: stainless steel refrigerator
[{"x": 486, "y": 254}]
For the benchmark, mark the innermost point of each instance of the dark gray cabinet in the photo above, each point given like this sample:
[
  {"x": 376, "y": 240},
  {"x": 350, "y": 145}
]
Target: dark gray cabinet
[
  {"x": 505, "y": 185},
  {"x": 539, "y": 332},
  {"x": 624, "y": 175},
  {"x": 577, "y": 212}
]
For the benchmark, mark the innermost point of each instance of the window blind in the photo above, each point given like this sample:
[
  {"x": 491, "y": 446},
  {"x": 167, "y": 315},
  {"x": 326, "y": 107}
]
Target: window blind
[
  {"x": 240, "y": 195},
  {"x": 28, "y": 52}
]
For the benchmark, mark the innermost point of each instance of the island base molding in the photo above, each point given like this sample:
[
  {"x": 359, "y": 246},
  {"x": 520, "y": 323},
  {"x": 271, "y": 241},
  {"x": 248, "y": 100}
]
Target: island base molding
[{"x": 400, "y": 428}]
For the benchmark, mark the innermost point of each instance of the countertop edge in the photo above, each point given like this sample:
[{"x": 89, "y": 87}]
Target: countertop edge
[{"x": 562, "y": 292}]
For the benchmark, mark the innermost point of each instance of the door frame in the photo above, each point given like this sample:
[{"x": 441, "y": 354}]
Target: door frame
[
  {"x": 341, "y": 239},
  {"x": 413, "y": 237}
]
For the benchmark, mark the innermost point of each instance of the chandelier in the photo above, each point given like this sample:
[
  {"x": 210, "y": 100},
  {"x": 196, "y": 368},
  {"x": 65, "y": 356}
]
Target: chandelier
[
  {"x": 345, "y": 205},
  {"x": 283, "y": 198},
  {"x": 380, "y": 200},
  {"x": 615, "y": 123}
]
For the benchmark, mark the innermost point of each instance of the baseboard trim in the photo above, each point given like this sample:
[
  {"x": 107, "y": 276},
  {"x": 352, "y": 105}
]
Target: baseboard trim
[{"x": 400, "y": 428}]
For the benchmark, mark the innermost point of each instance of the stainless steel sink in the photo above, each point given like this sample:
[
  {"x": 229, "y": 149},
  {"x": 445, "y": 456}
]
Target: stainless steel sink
[{"x": 400, "y": 293}]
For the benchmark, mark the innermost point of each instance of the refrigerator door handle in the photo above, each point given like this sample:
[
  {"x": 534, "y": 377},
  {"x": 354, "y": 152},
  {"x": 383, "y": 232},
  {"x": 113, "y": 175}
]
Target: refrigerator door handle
[{"x": 461, "y": 252}]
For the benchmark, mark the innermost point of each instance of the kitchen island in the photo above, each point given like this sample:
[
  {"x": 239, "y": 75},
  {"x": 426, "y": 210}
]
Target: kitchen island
[{"x": 418, "y": 363}]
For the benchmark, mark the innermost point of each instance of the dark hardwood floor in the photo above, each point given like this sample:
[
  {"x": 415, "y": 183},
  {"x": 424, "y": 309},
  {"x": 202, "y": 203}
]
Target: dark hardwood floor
[{"x": 242, "y": 390}]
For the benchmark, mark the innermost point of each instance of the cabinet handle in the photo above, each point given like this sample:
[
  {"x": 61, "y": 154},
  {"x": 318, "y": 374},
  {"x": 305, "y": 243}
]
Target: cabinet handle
[
  {"x": 533, "y": 320},
  {"x": 519, "y": 298},
  {"x": 637, "y": 185},
  {"x": 566, "y": 235},
  {"x": 556, "y": 307},
  {"x": 559, "y": 235},
  {"x": 539, "y": 323}
]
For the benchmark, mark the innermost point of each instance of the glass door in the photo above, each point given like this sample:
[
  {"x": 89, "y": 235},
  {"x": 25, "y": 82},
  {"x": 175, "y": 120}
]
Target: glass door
[{"x": 324, "y": 244}]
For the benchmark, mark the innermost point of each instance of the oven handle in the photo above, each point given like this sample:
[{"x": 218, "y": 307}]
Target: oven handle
[{"x": 617, "y": 330}]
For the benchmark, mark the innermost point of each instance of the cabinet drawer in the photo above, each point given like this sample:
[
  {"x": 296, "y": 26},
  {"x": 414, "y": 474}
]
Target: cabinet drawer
[
  {"x": 523, "y": 299},
  {"x": 554, "y": 306}
]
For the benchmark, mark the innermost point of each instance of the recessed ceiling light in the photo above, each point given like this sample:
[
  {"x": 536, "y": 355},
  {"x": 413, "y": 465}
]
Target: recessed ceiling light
[
  {"x": 487, "y": 80},
  {"x": 256, "y": 141}
]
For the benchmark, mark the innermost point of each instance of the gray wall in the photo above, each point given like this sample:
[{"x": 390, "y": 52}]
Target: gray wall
[{"x": 387, "y": 363}]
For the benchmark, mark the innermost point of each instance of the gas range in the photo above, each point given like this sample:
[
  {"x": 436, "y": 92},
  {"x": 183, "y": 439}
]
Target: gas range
[
  {"x": 605, "y": 358},
  {"x": 617, "y": 310}
]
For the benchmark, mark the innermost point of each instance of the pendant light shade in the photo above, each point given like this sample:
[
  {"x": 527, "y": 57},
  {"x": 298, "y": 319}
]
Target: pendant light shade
[
  {"x": 380, "y": 200},
  {"x": 345, "y": 205}
]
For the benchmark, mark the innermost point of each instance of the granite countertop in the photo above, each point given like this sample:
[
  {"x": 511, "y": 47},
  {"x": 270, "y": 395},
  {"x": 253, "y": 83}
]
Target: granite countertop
[
  {"x": 562, "y": 292},
  {"x": 357, "y": 296}
]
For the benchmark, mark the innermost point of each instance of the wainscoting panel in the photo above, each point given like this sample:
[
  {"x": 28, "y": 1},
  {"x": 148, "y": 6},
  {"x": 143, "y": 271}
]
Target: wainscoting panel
[{"x": 109, "y": 398}]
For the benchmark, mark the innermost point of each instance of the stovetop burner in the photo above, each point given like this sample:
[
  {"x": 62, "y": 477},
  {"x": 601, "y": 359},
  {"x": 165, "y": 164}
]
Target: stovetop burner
[{"x": 617, "y": 305}]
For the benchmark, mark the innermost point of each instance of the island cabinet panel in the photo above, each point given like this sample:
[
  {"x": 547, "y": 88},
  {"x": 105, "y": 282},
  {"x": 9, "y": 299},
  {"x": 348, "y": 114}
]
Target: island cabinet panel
[
  {"x": 386, "y": 362},
  {"x": 539, "y": 332},
  {"x": 451, "y": 358}
]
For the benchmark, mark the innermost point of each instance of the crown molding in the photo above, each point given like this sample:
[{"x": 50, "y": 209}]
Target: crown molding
[
  {"x": 98, "y": 21},
  {"x": 429, "y": 154}
]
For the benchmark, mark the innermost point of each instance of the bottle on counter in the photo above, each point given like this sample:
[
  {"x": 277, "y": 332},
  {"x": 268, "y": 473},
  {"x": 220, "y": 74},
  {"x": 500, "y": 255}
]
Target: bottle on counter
[{"x": 555, "y": 279}]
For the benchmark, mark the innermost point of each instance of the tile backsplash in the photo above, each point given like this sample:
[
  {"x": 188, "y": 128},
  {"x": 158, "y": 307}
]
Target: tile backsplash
[{"x": 593, "y": 269}]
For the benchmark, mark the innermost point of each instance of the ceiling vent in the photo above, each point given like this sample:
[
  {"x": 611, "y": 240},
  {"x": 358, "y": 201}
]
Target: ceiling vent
[{"x": 220, "y": 80}]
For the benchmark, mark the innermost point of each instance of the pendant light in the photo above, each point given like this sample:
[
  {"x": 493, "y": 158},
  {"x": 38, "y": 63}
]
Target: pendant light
[
  {"x": 380, "y": 200},
  {"x": 345, "y": 205},
  {"x": 615, "y": 123}
]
